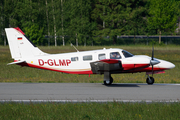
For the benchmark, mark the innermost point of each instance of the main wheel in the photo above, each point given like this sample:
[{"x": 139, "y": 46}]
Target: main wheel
[
  {"x": 108, "y": 82},
  {"x": 150, "y": 81}
]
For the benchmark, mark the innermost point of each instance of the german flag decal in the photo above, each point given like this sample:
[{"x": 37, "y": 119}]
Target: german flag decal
[{"x": 19, "y": 38}]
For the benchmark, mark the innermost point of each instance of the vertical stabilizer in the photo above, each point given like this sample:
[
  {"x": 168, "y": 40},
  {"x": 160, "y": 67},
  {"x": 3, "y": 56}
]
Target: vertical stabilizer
[{"x": 20, "y": 45}]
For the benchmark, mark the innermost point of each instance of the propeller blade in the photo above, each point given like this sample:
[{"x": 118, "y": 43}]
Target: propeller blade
[
  {"x": 152, "y": 71},
  {"x": 152, "y": 61},
  {"x": 152, "y": 52}
]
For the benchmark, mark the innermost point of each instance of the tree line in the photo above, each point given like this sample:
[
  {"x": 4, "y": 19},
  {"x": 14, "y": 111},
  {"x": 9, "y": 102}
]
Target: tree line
[{"x": 81, "y": 22}]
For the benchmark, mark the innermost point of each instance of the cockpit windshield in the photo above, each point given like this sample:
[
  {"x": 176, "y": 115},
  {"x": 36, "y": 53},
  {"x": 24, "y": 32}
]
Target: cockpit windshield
[{"x": 127, "y": 54}]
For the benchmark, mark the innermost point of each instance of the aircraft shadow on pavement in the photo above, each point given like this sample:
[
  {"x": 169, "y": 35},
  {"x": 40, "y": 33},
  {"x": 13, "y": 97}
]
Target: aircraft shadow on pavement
[{"x": 122, "y": 85}]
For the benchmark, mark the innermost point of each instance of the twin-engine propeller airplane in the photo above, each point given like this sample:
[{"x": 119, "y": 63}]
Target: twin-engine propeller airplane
[{"x": 104, "y": 61}]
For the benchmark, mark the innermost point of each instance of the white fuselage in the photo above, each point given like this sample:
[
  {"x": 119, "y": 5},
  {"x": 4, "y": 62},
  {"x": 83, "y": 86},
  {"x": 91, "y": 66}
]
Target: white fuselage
[{"x": 79, "y": 62}]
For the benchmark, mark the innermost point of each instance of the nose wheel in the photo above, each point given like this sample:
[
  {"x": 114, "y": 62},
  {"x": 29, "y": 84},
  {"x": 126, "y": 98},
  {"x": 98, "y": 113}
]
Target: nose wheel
[{"x": 150, "y": 80}]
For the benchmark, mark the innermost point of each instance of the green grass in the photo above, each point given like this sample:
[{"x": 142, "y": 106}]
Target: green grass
[
  {"x": 93, "y": 111},
  {"x": 15, "y": 73}
]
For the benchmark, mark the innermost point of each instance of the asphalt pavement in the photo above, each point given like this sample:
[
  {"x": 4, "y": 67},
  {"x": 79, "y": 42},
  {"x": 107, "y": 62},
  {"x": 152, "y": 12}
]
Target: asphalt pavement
[{"x": 88, "y": 92}]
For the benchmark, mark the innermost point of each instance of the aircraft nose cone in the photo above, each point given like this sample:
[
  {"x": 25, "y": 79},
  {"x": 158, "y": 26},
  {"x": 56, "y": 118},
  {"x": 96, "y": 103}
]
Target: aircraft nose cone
[
  {"x": 166, "y": 64},
  {"x": 170, "y": 65}
]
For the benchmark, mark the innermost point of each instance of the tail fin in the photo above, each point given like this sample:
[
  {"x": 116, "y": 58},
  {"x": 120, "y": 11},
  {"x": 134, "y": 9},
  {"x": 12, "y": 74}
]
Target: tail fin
[{"x": 20, "y": 45}]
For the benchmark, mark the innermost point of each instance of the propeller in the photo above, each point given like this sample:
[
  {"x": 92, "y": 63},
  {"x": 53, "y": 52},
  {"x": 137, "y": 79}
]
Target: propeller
[{"x": 153, "y": 61}]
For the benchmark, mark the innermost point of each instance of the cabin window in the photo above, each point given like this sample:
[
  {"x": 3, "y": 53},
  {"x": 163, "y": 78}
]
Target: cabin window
[
  {"x": 74, "y": 59},
  {"x": 102, "y": 56},
  {"x": 127, "y": 54},
  {"x": 115, "y": 55},
  {"x": 87, "y": 57}
]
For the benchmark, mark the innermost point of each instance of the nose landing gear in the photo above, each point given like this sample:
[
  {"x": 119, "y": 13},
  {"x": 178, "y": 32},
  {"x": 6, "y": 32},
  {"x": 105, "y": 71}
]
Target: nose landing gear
[{"x": 150, "y": 80}]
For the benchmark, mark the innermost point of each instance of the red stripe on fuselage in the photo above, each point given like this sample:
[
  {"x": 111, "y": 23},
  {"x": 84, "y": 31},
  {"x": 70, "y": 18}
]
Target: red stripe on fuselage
[
  {"x": 69, "y": 72},
  {"x": 110, "y": 61},
  {"x": 134, "y": 66},
  {"x": 148, "y": 69}
]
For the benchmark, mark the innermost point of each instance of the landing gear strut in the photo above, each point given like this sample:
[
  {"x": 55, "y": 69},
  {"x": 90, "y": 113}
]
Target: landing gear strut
[{"x": 150, "y": 80}]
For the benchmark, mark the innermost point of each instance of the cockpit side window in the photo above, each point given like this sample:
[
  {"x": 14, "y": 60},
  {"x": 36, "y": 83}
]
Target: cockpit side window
[
  {"x": 127, "y": 54},
  {"x": 87, "y": 57},
  {"x": 115, "y": 55},
  {"x": 74, "y": 59},
  {"x": 102, "y": 56}
]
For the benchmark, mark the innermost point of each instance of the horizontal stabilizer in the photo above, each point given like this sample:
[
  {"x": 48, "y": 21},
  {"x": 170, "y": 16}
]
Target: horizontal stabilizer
[{"x": 16, "y": 62}]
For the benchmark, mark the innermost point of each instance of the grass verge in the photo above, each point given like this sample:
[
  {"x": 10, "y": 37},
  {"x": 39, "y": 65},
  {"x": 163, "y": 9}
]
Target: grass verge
[{"x": 87, "y": 111}]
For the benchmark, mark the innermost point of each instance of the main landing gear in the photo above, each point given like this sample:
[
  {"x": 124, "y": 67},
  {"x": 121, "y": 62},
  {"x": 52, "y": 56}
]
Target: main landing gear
[
  {"x": 150, "y": 80},
  {"x": 108, "y": 80}
]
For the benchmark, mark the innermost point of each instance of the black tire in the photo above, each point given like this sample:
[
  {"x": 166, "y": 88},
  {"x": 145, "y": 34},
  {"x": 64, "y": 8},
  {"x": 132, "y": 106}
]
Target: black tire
[
  {"x": 150, "y": 81},
  {"x": 108, "y": 82}
]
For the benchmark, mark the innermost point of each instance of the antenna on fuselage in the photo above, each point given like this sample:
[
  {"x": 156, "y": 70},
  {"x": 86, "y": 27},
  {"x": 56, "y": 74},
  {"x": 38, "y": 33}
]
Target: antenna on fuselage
[{"x": 74, "y": 47}]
